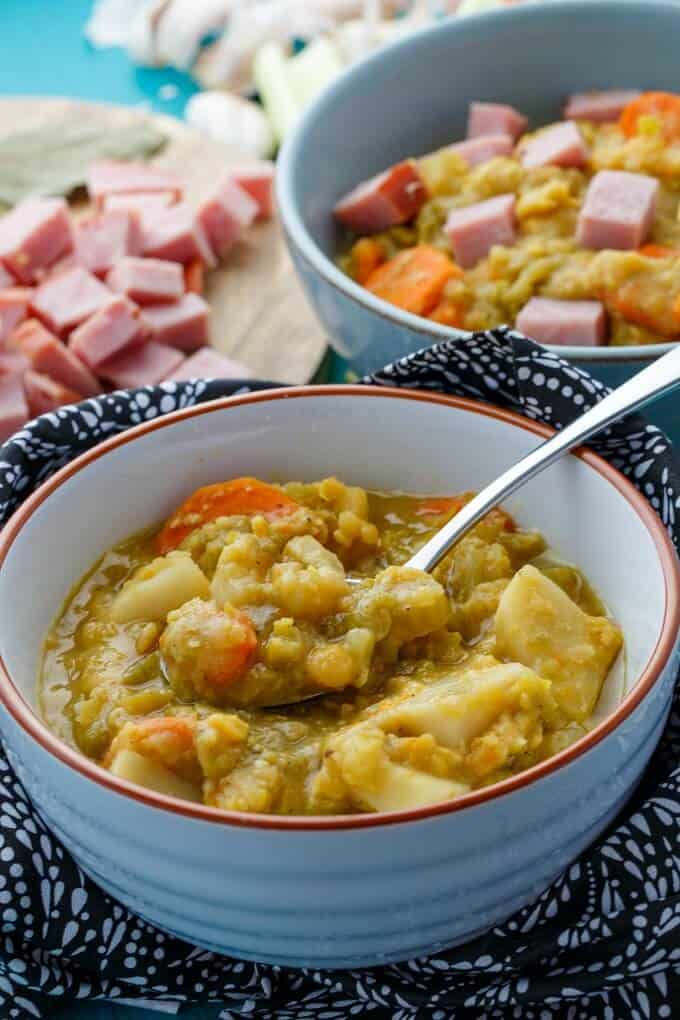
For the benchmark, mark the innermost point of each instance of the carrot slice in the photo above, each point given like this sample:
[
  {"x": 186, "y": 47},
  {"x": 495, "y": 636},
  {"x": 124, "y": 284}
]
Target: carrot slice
[
  {"x": 225, "y": 499},
  {"x": 664, "y": 106},
  {"x": 658, "y": 251},
  {"x": 440, "y": 506},
  {"x": 414, "y": 279},
  {"x": 627, "y": 303},
  {"x": 193, "y": 276},
  {"x": 448, "y": 313},
  {"x": 367, "y": 255}
]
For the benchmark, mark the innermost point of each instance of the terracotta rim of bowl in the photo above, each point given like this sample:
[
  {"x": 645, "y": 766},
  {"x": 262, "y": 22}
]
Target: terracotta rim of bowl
[
  {"x": 299, "y": 237},
  {"x": 26, "y": 717}
]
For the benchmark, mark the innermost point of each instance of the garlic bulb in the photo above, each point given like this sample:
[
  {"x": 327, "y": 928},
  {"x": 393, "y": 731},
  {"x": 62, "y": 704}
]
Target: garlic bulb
[{"x": 237, "y": 123}]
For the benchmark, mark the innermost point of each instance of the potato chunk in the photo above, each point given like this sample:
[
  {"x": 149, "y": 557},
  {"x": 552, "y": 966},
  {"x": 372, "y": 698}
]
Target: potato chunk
[
  {"x": 539, "y": 625},
  {"x": 136, "y": 769},
  {"x": 457, "y": 710},
  {"x": 159, "y": 587},
  {"x": 310, "y": 583},
  {"x": 357, "y": 773},
  {"x": 205, "y": 649}
]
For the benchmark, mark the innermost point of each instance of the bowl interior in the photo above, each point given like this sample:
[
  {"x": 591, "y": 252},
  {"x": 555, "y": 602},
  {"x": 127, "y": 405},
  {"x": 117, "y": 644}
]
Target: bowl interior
[
  {"x": 374, "y": 439},
  {"x": 389, "y": 107}
]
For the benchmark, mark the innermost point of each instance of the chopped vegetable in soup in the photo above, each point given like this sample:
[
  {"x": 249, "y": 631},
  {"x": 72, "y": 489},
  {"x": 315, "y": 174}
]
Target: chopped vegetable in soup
[
  {"x": 182, "y": 660},
  {"x": 571, "y": 232}
]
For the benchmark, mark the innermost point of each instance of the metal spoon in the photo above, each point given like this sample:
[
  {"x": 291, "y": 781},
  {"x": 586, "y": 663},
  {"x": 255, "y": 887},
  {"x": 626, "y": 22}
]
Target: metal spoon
[{"x": 659, "y": 378}]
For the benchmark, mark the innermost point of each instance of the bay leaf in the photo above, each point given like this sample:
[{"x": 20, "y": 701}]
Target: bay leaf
[{"x": 53, "y": 158}]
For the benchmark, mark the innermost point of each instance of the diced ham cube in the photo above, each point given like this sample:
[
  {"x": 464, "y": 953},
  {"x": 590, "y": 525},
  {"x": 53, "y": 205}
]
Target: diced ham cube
[
  {"x": 44, "y": 394},
  {"x": 49, "y": 356},
  {"x": 143, "y": 366},
  {"x": 479, "y": 150},
  {"x": 225, "y": 214},
  {"x": 6, "y": 279},
  {"x": 110, "y": 177},
  {"x": 618, "y": 210},
  {"x": 194, "y": 272},
  {"x": 581, "y": 323},
  {"x": 475, "y": 229},
  {"x": 559, "y": 145},
  {"x": 33, "y": 236},
  {"x": 13, "y": 407},
  {"x": 391, "y": 198},
  {"x": 257, "y": 179},
  {"x": 599, "y": 107},
  {"x": 13, "y": 309},
  {"x": 208, "y": 364},
  {"x": 101, "y": 240},
  {"x": 495, "y": 119},
  {"x": 140, "y": 203},
  {"x": 13, "y": 363},
  {"x": 68, "y": 298},
  {"x": 107, "y": 333},
  {"x": 183, "y": 325},
  {"x": 147, "y": 281},
  {"x": 176, "y": 235}
]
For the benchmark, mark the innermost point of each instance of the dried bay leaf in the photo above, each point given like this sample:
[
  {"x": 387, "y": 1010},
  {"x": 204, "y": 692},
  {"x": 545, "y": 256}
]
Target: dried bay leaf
[{"x": 53, "y": 159}]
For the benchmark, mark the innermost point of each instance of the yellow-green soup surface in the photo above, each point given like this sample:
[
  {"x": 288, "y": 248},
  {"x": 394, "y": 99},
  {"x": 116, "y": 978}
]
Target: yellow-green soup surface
[
  {"x": 163, "y": 668},
  {"x": 639, "y": 288}
]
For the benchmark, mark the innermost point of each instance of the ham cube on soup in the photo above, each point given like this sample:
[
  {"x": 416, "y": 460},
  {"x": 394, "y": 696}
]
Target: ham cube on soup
[
  {"x": 599, "y": 107},
  {"x": 559, "y": 145},
  {"x": 66, "y": 299},
  {"x": 33, "y": 236},
  {"x": 495, "y": 119},
  {"x": 475, "y": 229},
  {"x": 618, "y": 210},
  {"x": 578, "y": 323},
  {"x": 479, "y": 150},
  {"x": 385, "y": 201}
]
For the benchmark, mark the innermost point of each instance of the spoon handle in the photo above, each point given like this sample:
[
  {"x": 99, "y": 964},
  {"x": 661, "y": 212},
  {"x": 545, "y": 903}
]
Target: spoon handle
[{"x": 660, "y": 377}]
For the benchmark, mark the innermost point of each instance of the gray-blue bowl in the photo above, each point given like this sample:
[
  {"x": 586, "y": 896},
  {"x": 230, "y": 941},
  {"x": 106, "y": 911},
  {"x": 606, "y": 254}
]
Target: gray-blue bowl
[{"x": 412, "y": 97}]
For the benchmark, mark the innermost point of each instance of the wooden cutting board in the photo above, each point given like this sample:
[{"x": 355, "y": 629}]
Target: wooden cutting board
[{"x": 260, "y": 315}]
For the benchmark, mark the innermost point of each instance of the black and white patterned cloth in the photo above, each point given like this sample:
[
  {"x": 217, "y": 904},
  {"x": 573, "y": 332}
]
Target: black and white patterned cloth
[{"x": 601, "y": 944}]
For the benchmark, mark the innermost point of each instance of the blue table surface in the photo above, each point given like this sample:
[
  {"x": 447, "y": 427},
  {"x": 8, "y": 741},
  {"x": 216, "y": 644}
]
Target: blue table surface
[{"x": 69, "y": 66}]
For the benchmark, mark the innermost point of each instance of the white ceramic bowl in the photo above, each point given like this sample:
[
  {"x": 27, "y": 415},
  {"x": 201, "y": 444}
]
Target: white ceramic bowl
[{"x": 349, "y": 890}]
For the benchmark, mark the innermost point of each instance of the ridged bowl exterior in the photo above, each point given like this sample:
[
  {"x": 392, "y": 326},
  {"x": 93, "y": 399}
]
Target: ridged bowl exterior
[{"x": 349, "y": 898}]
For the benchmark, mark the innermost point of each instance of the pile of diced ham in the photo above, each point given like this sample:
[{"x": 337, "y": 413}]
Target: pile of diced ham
[
  {"x": 114, "y": 299},
  {"x": 617, "y": 213}
]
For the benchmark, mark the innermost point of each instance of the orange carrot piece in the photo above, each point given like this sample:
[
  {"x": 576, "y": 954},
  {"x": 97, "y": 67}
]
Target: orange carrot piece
[
  {"x": 367, "y": 255},
  {"x": 664, "y": 321},
  {"x": 194, "y": 276},
  {"x": 658, "y": 251},
  {"x": 448, "y": 313},
  {"x": 665, "y": 106},
  {"x": 448, "y": 506},
  {"x": 414, "y": 279},
  {"x": 225, "y": 499}
]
